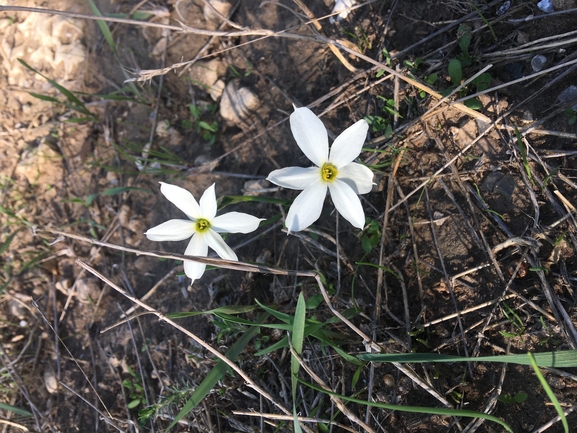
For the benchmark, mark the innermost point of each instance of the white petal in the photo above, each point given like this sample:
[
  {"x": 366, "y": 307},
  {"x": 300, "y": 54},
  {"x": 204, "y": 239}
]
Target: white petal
[
  {"x": 357, "y": 176},
  {"x": 310, "y": 135},
  {"x": 208, "y": 203},
  {"x": 347, "y": 203},
  {"x": 182, "y": 199},
  {"x": 215, "y": 241},
  {"x": 295, "y": 177},
  {"x": 307, "y": 207},
  {"x": 172, "y": 230},
  {"x": 235, "y": 222},
  {"x": 348, "y": 145},
  {"x": 196, "y": 247}
]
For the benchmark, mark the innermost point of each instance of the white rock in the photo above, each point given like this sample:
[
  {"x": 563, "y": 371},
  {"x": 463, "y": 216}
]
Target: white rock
[
  {"x": 546, "y": 6},
  {"x": 88, "y": 290},
  {"x": 343, "y": 7},
  {"x": 237, "y": 103}
]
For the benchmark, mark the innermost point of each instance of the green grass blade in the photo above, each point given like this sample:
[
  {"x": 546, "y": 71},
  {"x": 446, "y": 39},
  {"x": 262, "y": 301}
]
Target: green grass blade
[
  {"x": 560, "y": 359},
  {"x": 549, "y": 391},
  {"x": 297, "y": 337},
  {"x": 415, "y": 409},
  {"x": 6, "y": 244},
  {"x": 78, "y": 105},
  {"x": 227, "y": 309},
  {"x": 217, "y": 372},
  {"x": 16, "y": 410},
  {"x": 104, "y": 28}
]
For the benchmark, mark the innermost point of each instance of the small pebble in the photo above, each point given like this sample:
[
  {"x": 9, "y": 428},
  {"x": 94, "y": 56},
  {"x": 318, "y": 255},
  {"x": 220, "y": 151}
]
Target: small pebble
[
  {"x": 389, "y": 380},
  {"x": 538, "y": 62}
]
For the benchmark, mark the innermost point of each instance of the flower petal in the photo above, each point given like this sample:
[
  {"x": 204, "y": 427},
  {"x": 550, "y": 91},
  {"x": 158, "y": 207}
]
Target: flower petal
[
  {"x": 357, "y": 176},
  {"x": 235, "y": 222},
  {"x": 348, "y": 145},
  {"x": 307, "y": 207},
  {"x": 208, "y": 203},
  {"x": 310, "y": 135},
  {"x": 172, "y": 230},
  {"x": 196, "y": 247},
  {"x": 295, "y": 177},
  {"x": 182, "y": 199},
  {"x": 347, "y": 203},
  {"x": 215, "y": 241}
]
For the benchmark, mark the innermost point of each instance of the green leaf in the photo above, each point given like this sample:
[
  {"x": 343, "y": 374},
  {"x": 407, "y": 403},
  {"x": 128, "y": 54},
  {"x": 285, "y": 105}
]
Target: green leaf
[
  {"x": 520, "y": 397},
  {"x": 16, "y": 410},
  {"x": 560, "y": 359},
  {"x": 297, "y": 337},
  {"x": 104, "y": 28},
  {"x": 473, "y": 104},
  {"x": 6, "y": 244},
  {"x": 217, "y": 373},
  {"x": 548, "y": 389},
  {"x": 43, "y": 97},
  {"x": 482, "y": 81},
  {"x": 78, "y": 105},
  {"x": 414, "y": 409},
  {"x": 134, "y": 403},
  {"x": 356, "y": 376},
  {"x": 227, "y": 309},
  {"x": 455, "y": 71}
]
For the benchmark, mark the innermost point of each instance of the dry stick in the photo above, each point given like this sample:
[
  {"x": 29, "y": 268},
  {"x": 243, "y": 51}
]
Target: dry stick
[
  {"x": 519, "y": 80},
  {"x": 291, "y": 418},
  {"x": 72, "y": 357},
  {"x": 467, "y": 310},
  {"x": 490, "y": 406},
  {"x": 448, "y": 281},
  {"x": 557, "y": 308},
  {"x": 319, "y": 28},
  {"x": 380, "y": 282},
  {"x": 103, "y": 416},
  {"x": 181, "y": 28},
  {"x": 336, "y": 400},
  {"x": 189, "y": 334},
  {"x": 459, "y": 106},
  {"x": 205, "y": 47},
  {"x": 557, "y": 418}
]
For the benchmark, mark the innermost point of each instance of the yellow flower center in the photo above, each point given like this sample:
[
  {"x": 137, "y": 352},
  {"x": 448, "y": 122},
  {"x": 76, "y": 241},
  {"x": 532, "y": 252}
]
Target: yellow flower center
[
  {"x": 202, "y": 225},
  {"x": 329, "y": 172}
]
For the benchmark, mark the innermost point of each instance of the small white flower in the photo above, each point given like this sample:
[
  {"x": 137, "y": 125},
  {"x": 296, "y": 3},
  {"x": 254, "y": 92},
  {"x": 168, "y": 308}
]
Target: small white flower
[
  {"x": 204, "y": 226},
  {"x": 334, "y": 171}
]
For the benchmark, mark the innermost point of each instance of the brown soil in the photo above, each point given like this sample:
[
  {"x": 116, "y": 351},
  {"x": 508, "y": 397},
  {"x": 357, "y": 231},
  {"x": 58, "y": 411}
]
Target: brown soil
[{"x": 72, "y": 359}]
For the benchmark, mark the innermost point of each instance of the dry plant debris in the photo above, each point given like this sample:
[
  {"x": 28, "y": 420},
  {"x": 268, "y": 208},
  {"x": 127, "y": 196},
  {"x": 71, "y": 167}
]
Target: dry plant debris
[{"x": 468, "y": 245}]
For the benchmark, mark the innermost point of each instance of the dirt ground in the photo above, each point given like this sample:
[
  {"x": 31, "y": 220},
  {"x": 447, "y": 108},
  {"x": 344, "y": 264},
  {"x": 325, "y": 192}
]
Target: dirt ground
[{"x": 469, "y": 247}]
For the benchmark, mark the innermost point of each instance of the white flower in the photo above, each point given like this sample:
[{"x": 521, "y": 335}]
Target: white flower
[
  {"x": 334, "y": 171},
  {"x": 204, "y": 226}
]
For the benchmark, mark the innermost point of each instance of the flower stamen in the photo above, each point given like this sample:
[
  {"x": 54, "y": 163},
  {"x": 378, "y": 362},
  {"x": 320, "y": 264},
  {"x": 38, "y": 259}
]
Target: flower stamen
[
  {"x": 202, "y": 225},
  {"x": 329, "y": 172}
]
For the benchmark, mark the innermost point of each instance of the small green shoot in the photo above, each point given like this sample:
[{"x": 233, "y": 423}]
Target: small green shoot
[
  {"x": 135, "y": 391},
  {"x": 515, "y": 321},
  {"x": 206, "y": 129},
  {"x": 523, "y": 152},
  {"x": 571, "y": 116},
  {"x": 371, "y": 235},
  {"x": 520, "y": 397}
]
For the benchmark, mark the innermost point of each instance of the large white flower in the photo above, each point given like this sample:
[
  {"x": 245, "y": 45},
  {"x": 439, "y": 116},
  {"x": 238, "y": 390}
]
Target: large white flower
[
  {"x": 335, "y": 171},
  {"x": 204, "y": 226}
]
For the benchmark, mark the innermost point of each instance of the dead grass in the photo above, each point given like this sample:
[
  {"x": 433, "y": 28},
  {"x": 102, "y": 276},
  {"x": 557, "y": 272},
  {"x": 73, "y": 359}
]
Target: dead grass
[{"x": 469, "y": 247}]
